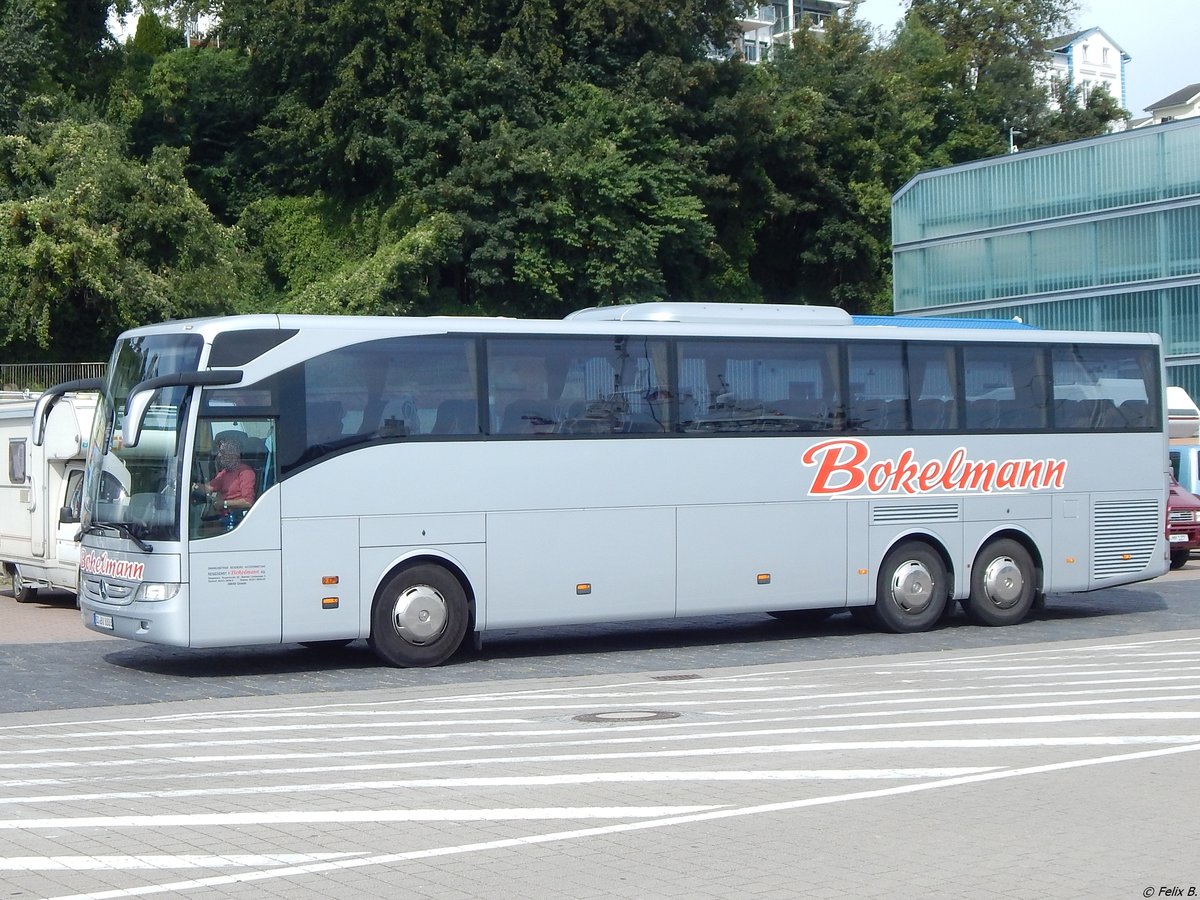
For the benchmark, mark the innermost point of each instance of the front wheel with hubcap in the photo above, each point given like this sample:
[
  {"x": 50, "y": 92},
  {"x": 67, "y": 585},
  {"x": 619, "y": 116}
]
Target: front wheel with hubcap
[
  {"x": 912, "y": 589},
  {"x": 419, "y": 617},
  {"x": 1003, "y": 584}
]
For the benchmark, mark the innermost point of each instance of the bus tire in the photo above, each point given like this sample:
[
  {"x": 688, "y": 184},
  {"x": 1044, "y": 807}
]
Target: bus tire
[
  {"x": 1179, "y": 558},
  {"x": 912, "y": 589},
  {"x": 1003, "y": 584},
  {"x": 419, "y": 617}
]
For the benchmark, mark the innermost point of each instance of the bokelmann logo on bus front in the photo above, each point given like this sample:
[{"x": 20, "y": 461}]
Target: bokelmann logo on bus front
[
  {"x": 844, "y": 466},
  {"x": 94, "y": 563}
]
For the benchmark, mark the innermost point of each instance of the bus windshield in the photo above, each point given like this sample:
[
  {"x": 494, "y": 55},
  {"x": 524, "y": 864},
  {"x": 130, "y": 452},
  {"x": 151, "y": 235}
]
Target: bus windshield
[{"x": 134, "y": 489}]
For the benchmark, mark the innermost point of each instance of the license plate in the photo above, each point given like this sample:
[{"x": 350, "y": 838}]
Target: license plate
[
  {"x": 1179, "y": 538},
  {"x": 102, "y": 621}
]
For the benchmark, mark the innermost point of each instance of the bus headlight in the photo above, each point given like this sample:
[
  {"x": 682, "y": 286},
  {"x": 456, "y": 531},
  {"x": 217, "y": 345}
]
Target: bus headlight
[{"x": 157, "y": 590}]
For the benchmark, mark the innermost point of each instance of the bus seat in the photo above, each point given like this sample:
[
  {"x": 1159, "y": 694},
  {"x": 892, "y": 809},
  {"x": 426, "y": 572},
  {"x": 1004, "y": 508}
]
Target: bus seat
[
  {"x": 1016, "y": 414},
  {"x": 1071, "y": 414},
  {"x": 1107, "y": 415},
  {"x": 1135, "y": 413},
  {"x": 325, "y": 421},
  {"x": 255, "y": 455},
  {"x": 983, "y": 414},
  {"x": 929, "y": 414},
  {"x": 1088, "y": 413},
  {"x": 456, "y": 417}
]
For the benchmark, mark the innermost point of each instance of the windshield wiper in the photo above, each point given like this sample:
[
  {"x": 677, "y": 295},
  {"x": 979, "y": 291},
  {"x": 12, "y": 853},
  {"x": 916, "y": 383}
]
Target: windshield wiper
[{"x": 120, "y": 528}]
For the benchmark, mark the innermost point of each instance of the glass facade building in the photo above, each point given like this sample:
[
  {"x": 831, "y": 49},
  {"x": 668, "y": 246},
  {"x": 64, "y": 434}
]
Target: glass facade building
[{"x": 1100, "y": 234}]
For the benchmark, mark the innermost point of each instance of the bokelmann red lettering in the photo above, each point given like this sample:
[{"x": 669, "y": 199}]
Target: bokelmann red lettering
[
  {"x": 94, "y": 563},
  {"x": 843, "y": 466}
]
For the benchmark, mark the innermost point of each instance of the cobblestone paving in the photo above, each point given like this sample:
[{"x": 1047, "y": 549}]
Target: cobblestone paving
[
  {"x": 75, "y": 671},
  {"x": 1050, "y": 769}
]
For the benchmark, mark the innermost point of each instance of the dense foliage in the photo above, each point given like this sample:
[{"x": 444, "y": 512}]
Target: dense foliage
[{"x": 519, "y": 158}]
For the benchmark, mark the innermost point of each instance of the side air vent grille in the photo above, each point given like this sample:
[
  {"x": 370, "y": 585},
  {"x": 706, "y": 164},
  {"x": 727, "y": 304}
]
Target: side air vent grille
[
  {"x": 1126, "y": 532},
  {"x": 915, "y": 513}
]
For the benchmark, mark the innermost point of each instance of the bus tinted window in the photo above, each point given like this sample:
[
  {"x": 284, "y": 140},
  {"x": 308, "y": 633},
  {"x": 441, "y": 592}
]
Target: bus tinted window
[
  {"x": 398, "y": 388},
  {"x": 427, "y": 388},
  {"x": 933, "y": 387},
  {"x": 878, "y": 387},
  {"x": 577, "y": 385},
  {"x": 1005, "y": 387},
  {"x": 758, "y": 387},
  {"x": 1105, "y": 387}
]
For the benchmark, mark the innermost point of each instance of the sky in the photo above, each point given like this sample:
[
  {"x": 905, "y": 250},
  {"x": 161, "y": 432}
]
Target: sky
[{"x": 1162, "y": 38}]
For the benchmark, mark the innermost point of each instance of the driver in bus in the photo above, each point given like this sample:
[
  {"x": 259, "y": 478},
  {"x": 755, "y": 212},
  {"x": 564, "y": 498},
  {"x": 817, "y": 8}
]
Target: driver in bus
[{"x": 233, "y": 485}]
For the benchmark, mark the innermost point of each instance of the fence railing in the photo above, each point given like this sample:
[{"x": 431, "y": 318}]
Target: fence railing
[{"x": 36, "y": 377}]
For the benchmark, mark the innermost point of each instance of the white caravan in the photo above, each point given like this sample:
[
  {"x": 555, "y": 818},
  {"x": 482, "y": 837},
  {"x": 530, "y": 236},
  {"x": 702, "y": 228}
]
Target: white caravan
[{"x": 40, "y": 498}]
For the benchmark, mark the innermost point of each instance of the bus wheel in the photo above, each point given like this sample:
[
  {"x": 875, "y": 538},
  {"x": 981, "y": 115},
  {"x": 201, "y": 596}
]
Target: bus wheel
[
  {"x": 912, "y": 589},
  {"x": 419, "y": 617},
  {"x": 1003, "y": 584},
  {"x": 1179, "y": 558}
]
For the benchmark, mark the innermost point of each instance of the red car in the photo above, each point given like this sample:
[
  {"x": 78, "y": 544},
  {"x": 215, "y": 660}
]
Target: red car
[{"x": 1183, "y": 524}]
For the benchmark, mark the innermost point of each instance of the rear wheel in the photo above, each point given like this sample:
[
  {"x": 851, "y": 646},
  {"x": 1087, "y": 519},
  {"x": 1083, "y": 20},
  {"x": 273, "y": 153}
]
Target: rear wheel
[
  {"x": 1003, "y": 584},
  {"x": 912, "y": 590},
  {"x": 419, "y": 617},
  {"x": 1179, "y": 558}
]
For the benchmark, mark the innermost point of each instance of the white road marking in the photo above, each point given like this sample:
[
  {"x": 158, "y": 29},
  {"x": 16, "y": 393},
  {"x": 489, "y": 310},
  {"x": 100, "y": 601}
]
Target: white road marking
[
  {"x": 754, "y": 750},
  {"x": 306, "y": 817},
  {"x": 392, "y": 858},
  {"x": 159, "y": 862}
]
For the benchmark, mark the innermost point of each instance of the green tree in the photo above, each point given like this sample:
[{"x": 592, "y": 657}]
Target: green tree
[
  {"x": 1073, "y": 116},
  {"x": 590, "y": 208},
  {"x": 92, "y": 243},
  {"x": 198, "y": 99},
  {"x": 984, "y": 57},
  {"x": 849, "y": 134},
  {"x": 22, "y": 57}
]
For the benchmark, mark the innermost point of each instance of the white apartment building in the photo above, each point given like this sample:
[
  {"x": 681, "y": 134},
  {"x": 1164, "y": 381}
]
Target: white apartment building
[
  {"x": 769, "y": 25},
  {"x": 1088, "y": 59}
]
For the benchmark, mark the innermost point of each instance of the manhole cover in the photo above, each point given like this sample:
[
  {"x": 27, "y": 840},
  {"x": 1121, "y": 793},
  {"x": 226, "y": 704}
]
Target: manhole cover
[{"x": 622, "y": 716}]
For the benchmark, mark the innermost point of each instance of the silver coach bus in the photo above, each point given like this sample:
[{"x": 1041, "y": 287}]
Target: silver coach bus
[{"x": 419, "y": 481}]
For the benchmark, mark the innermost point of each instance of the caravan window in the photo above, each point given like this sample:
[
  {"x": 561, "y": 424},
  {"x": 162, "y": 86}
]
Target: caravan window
[{"x": 16, "y": 461}]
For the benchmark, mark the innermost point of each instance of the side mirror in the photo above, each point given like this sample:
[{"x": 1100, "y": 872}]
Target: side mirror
[
  {"x": 139, "y": 398},
  {"x": 66, "y": 516},
  {"x": 45, "y": 403}
]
